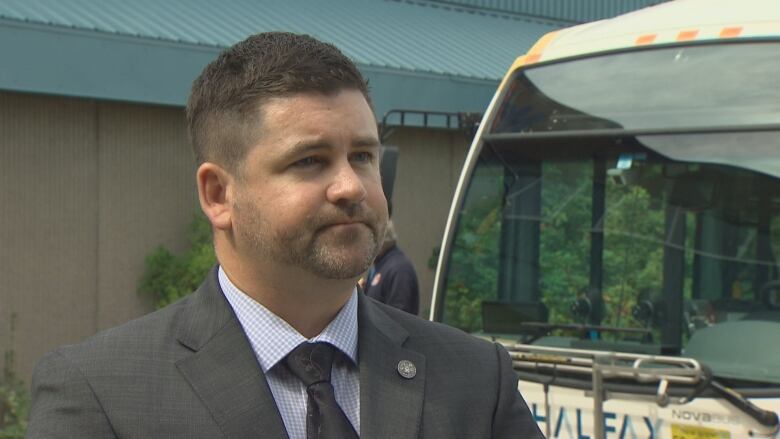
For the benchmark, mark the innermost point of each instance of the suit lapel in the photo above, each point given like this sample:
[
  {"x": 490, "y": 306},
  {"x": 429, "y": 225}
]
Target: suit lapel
[
  {"x": 390, "y": 405},
  {"x": 223, "y": 370}
]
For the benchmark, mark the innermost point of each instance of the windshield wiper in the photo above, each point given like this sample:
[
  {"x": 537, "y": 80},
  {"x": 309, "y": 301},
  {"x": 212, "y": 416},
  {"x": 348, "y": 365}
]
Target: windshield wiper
[{"x": 766, "y": 418}]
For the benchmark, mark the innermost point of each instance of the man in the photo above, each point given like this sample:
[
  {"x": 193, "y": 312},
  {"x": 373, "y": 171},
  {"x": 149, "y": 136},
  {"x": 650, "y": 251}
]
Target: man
[
  {"x": 392, "y": 279},
  {"x": 277, "y": 342}
]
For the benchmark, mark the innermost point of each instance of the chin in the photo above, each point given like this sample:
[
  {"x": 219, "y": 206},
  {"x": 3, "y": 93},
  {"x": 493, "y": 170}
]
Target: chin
[{"x": 340, "y": 269}]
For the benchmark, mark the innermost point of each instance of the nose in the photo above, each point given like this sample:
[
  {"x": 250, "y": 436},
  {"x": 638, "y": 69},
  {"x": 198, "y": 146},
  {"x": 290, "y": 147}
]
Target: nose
[{"x": 347, "y": 186}]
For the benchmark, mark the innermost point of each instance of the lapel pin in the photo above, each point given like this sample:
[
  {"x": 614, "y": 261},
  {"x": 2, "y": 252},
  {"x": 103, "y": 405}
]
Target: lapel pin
[{"x": 407, "y": 369}]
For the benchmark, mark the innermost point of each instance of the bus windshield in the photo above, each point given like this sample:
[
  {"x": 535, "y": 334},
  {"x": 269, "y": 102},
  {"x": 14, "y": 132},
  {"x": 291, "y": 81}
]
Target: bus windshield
[
  {"x": 657, "y": 241},
  {"x": 705, "y": 85}
]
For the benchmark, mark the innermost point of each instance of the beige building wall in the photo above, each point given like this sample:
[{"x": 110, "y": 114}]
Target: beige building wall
[
  {"x": 88, "y": 189},
  {"x": 147, "y": 198},
  {"x": 48, "y": 196},
  {"x": 429, "y": 164}
]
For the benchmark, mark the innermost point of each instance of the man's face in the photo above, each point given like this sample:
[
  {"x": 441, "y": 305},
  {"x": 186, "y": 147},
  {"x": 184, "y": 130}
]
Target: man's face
[{"x": 309, "y": 195}]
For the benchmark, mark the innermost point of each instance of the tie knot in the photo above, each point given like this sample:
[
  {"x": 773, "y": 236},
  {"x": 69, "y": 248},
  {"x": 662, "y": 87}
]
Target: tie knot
[{"x": 311, "y": 362}]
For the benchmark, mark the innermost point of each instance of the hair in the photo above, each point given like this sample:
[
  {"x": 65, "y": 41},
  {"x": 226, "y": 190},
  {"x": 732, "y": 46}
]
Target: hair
[
  {"x": 224, "y": 108},
  {"x": 390, "y": 234}
]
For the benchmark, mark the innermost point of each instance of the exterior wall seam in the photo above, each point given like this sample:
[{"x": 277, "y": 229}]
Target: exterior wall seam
[{"x": 98, "y": 186}]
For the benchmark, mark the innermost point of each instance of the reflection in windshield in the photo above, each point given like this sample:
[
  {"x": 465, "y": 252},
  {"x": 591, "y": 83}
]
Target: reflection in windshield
[
  {"x": 756, "y": 151},
  {"x": 696, "y": 86},
  {"x": 657, "y": 245}
]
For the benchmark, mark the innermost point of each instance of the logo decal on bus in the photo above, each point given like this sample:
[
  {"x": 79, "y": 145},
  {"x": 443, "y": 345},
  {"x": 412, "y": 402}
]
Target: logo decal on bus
[{"x": 616, "y": 425}]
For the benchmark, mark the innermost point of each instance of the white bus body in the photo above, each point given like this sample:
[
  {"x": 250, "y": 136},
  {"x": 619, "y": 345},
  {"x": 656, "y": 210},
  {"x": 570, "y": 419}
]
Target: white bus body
[{"x": 617, "y": 221}]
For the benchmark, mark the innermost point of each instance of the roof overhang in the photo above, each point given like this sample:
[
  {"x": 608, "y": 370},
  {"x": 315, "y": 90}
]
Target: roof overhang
[{"x": 87, "y": 64}]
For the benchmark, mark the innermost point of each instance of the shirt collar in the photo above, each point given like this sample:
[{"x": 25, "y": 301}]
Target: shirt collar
[{"x": 272, "y": 338}]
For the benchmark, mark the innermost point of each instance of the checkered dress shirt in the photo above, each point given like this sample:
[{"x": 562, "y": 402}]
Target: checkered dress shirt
[{"x": 272, "y": 339}]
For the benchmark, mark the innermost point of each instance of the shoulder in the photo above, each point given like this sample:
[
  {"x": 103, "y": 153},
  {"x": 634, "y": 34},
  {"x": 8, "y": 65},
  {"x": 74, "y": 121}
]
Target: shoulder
[
  {"x": 436, "y": 338},
  {"x": 150, "y": 336},
  {"x": 466, "y": 378},
  {"x": 451, "y": 355}
]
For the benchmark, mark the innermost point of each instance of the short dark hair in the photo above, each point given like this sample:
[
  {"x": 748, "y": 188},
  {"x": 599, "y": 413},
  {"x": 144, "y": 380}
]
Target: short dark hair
[{"x": 225, "y": 101}]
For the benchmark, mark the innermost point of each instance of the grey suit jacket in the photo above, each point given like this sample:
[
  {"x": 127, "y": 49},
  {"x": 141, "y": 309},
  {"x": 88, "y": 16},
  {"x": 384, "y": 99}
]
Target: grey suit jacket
[{"x": 188, "y": 371}]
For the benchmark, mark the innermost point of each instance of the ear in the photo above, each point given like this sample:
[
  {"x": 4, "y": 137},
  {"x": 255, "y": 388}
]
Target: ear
[{"x": 215, "y": 194}]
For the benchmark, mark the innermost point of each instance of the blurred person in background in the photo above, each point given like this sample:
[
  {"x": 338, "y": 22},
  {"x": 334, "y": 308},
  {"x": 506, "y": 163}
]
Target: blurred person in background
[{"x": 392, "y": 279}]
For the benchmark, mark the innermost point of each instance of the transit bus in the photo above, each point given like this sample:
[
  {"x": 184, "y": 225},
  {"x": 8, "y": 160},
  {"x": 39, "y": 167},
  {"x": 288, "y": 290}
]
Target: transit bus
[{"x": 617, "y": 225}]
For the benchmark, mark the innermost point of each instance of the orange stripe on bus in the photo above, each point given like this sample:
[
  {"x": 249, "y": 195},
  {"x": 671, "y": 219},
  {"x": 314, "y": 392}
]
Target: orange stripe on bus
[
  {"x": 530, "y": 59},
  {"x": 687, "y": 35},
  {"x": 542, "y": 43},
  {"x": 645, "y": 39},
  {"x": 731, "y": 32},
  {"x": 535, "y": 54}
]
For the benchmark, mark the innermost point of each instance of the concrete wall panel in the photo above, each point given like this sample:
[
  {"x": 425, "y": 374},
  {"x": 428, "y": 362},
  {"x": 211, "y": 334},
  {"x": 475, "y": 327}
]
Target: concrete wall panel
[
  {"x": 147, "y": 198},
  {"x": 88, "y": 190},
  {"x": 48, "y": 195}
]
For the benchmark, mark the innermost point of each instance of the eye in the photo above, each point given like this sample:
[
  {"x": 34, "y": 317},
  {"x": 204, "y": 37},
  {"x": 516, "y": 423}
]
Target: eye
[
  {"x": 362, "y": 156},
  {"x": 306, "y": 162}
]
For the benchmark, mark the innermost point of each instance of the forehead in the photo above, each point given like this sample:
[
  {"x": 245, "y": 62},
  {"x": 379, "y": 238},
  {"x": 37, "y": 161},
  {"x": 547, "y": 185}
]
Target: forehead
[{"x": 316, "y": 112}]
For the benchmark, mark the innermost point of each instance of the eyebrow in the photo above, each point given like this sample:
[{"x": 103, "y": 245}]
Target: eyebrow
[
  {"x": 309, "y": 145},
  {"x": 367, "y": 142},
  {"x": 305, "y": 146}
]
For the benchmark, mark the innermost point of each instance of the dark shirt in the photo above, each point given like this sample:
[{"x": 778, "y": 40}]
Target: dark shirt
[{"x": 394, "y": 281}]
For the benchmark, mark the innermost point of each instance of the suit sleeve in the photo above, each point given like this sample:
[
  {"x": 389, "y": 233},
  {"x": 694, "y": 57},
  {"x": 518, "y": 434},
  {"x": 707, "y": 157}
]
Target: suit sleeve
[
  {"x": 63, "y": 403},
  {"x": 512, "y": 418}
]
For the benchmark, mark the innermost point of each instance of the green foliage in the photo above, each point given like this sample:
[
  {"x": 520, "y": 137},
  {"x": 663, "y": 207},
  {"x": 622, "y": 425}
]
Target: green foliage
[
  {"x": 14, "y": 398},
  {"x": 169, "y": 277},
  {"x": 633, "y": 228},
  {"x": 473, "y": 271},
  {"x": 564, "y": 243},
  {"x": 14, "y": 402},
  {"x": 633, "y": 256},
  {"x": 633, "y": 250},
  {"x": 474, "y": 275},
  {"x": 433, "y": 260}
]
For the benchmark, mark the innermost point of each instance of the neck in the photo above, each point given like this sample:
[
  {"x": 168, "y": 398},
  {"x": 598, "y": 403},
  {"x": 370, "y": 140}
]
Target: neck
[{"x": 307, "y": 302}]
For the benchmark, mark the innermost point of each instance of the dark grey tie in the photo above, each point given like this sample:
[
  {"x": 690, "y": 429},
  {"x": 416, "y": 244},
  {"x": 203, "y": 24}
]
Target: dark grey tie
[{"x": 311, "y": 363}]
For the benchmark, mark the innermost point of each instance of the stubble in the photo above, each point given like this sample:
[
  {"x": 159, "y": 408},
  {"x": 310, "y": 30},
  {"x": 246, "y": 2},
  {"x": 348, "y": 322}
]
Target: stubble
[{"x": 315, "y": 245}]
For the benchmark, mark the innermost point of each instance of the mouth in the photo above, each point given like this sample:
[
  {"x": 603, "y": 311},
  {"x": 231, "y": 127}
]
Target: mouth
[
  {"x": 345, "y": 224},
  {"x": 347, "y": 220}
]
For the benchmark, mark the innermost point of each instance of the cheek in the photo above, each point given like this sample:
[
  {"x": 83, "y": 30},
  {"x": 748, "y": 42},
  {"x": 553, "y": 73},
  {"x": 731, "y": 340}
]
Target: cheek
[
  {"x": 294, "y": 201},
  {"x": 376, "y": 199}
]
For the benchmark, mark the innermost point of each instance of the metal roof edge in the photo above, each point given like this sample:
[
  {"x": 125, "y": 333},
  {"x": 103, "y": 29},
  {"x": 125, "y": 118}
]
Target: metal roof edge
[
  {"x": 86, "y": 64},
  {"x": 493, "y": 12},
  {"x": 98, "y": 33},
  {"x": 211, "y": 48},
  {"x": 427, "y": 74}
]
